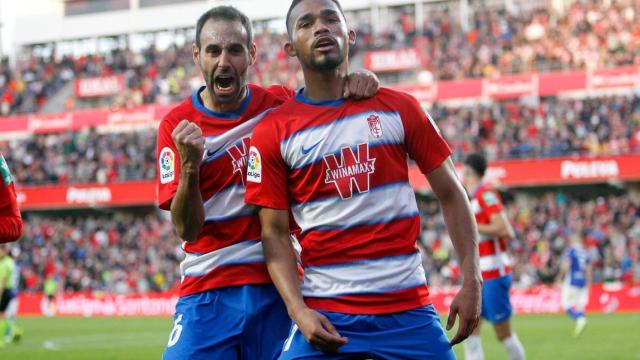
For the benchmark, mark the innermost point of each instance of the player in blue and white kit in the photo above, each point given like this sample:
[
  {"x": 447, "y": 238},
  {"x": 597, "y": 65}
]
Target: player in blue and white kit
[{"x": 576, "y": 275}]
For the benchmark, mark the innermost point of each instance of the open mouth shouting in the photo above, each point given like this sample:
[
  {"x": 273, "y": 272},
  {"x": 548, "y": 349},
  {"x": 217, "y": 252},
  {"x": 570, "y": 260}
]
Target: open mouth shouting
[
  {"x": 225, "y": 84},
  {"x": 325, "y": 44}
]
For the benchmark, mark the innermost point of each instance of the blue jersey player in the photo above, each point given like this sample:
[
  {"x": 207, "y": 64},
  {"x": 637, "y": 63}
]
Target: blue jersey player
[{"x": 576, "y": 277}]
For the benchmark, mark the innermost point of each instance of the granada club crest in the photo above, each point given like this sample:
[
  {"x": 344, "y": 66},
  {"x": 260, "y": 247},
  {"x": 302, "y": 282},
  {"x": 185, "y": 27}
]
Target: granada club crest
[
  {"x": 375, "y": 126},
  {"x": 352, "y": 170}
]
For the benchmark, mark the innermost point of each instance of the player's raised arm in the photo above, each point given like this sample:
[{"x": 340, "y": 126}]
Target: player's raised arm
[
  {"x": 187, "y": 211},
  {"x": 462, "y": 228},
  {"x": 281, "y": 262}
]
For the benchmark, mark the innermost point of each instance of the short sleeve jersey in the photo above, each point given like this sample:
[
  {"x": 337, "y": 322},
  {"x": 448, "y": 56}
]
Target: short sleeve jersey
[
  {"x": 227, "y": 251},
  {"x": 7, "y": 269},
  {"x": 11, "y": 223},
  {"x": 494, "y": 259},
  {"x": 341, "y": 167},
  {"x": 578, "y": 261}
]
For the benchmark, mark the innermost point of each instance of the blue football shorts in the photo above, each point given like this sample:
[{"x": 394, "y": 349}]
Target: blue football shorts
[
  {"x": 238, "y": 322},
  {"x": 413, "y": 334},
  {"x": 496, "y": 305}
]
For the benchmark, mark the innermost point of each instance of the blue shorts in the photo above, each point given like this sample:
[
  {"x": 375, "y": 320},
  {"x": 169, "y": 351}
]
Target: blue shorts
[
  {"x": 496, "y": 306},
  {"x": 238, "y": 322},
  {"x": 413, "y": 334}
]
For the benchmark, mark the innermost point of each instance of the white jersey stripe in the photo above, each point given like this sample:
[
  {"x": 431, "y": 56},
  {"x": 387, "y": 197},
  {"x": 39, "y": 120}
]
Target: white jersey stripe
[
  {"x": 239, "y": 253},
  {"x": 310, "y": 145},
  {"x": 359, "y": 209},
  {"x": 216, "y": 146},
  {"x": 494, "y": 262},
  {"x": 228, "y": 204},
  {"x": 364, "y": 277}
]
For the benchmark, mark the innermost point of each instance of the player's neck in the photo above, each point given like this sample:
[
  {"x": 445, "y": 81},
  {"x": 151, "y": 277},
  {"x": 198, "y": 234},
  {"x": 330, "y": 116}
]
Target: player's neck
[
  {"x": 209, "y": 102},
  {"x": 325, "y": 85}
]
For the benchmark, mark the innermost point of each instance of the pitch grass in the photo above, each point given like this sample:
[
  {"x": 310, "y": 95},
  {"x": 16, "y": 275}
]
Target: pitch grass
[{"x": 614, "y": 336}]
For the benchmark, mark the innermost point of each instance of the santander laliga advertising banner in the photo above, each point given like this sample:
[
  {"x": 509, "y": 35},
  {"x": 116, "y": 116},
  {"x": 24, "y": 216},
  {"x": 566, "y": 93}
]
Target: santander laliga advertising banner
[{"x": 536, "y": 300}]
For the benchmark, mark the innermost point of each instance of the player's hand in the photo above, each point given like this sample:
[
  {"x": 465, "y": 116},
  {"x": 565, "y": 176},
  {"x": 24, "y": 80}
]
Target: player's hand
[
  {"x": 318, "y": 330},
  {"x": 190, "y": 143},
  {"x": 361, "y": 84},
  {"x": 466, "y": 305}
]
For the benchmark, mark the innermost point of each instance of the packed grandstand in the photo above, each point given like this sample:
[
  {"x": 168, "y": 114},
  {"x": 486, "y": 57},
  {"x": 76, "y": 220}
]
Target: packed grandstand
[{"x": 90, "y": 148}]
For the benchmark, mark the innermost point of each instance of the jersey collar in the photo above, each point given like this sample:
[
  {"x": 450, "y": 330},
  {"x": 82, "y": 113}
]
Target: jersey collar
[
  {"x": 197, "y": 102},
  {"x": 306, "y": 100}
]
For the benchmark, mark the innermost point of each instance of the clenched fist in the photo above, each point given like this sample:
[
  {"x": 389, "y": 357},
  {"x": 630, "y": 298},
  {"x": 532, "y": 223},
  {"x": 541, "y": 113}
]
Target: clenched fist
[{"x": 190, "y": 143}]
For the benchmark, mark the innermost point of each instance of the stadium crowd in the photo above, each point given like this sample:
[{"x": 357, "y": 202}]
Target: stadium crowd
[
  {"x": 503, "y": 130},
  {"x": 118, "y": 253},
  {"x": 83, "y": 157},
  {"x": 554, "y": 127},
  {"x": 124, "y": 252},
  {"x": 609, "y": 227},
  {"x": 589, "y": 34}
]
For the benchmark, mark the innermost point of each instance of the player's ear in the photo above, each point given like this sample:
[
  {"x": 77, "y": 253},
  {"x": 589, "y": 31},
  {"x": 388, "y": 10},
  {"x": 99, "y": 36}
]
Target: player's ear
[
  {"x": 195, "y": 51},
  {"x": 253, "y": 50},
  {"x": 352, "y": 37},
  {"x": 289, "y": 49}
]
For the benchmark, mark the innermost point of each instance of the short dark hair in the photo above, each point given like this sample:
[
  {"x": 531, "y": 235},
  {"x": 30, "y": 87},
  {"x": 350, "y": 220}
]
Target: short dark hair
[
  {"x": 295, "y": 3},
  {"x": 226, "y": 13},
  {"x": 477, "y": 162}
]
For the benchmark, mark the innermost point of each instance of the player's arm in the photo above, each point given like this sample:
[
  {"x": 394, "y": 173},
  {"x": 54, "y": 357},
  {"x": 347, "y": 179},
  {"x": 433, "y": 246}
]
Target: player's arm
[
  {"x": 498, "y": 225},
  {"x": 462, "y": 229},
  {"x": 564, "y": 267},
  {"x": 187, "y": 210},
  {"x": 10, "y": 218},
  {"x": 282, "y": 266},
  {"x": 10, "y": 228},
  {"x": 432, "y": 155}
]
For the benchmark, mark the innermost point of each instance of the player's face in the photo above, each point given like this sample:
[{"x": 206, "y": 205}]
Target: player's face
[
  {"x": 224, "y": 59},
  {"x": 467, "y": 173},
  {"x": 319, "y": 35}
]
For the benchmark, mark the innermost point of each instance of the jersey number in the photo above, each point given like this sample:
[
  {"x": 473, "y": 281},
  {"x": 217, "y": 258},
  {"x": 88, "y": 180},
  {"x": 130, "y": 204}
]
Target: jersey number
[{"x": 176, "y": 332}]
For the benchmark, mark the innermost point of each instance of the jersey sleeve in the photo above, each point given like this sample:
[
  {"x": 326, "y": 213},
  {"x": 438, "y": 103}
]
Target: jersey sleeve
[
  {"x": 281, "y": 92},
  {"x": 168, "y": 165},
  {"x": 491, "y": 202},
  {"x": 10, "y": 218},
  {"x": 423, "y": 141},
  {"x": 266, "y": 170}
]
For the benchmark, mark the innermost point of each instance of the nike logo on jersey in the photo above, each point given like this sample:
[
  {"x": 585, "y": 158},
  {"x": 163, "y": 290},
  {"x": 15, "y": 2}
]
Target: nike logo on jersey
[{"x": 306, "y": 150}]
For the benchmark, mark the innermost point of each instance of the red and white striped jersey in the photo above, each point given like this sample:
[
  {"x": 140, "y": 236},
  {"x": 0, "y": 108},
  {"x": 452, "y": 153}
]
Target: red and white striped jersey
[
  {"x": 228, "y": 250},
  {"x": 494, "y": 260},
  {"x": 341, "y": 167}
]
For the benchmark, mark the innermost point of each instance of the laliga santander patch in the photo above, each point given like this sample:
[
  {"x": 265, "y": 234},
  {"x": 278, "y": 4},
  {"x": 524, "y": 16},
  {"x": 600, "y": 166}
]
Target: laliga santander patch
[
  {"x": 254, "y": 166},
  {"x": 490, "y": 198},
  {"x": 167, "y": 163}
]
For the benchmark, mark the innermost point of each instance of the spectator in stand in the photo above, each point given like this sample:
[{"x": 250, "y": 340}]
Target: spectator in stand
[
  {"x": 610, "y": 227},
  {"x": 497, "y": 41},
  {"x": 120, "y": 253},
  {"x": 83, "y": 157}
]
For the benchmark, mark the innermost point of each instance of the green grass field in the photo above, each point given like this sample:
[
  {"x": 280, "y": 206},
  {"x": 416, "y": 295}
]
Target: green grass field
[{"x": 544, "y": 337}]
